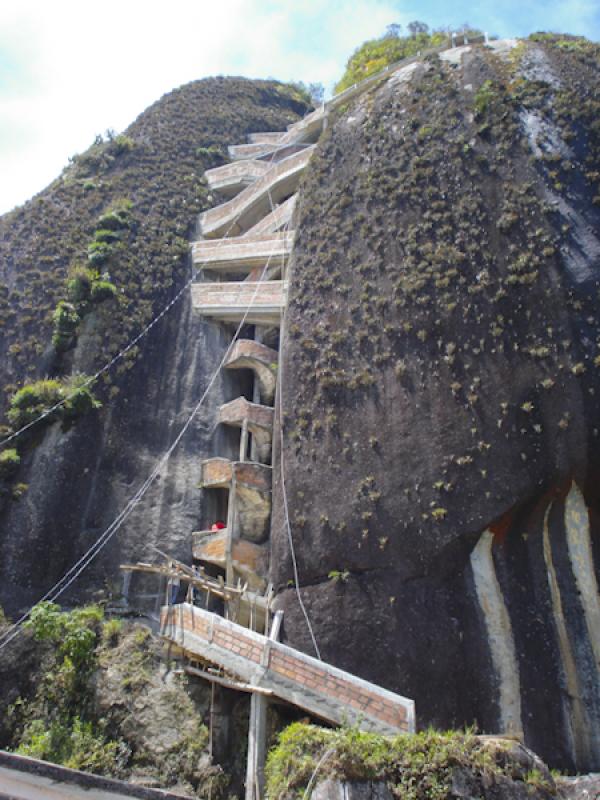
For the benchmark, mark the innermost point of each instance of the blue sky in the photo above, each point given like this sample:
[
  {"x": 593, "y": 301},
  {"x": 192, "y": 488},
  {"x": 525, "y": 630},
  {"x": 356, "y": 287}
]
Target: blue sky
[{"x": 70, "y": 69}]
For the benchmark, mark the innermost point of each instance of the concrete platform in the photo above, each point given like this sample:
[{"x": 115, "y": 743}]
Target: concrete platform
[
  {"x": 229, "y": 301},
  {"x": 252, "y": 485},
  {"x": 247, "y": 559},
  {"x": 258, "y": 420},
  {"x": 230, "y": 179},
  {"x": 241, "y": 254}
]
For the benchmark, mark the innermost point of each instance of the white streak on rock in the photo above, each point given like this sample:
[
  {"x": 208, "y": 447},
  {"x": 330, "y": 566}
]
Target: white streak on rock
[
  {"x": 580, "y": 552},
  {"x": 579, "y": 727},
  {"x": 500, "y": 635}
]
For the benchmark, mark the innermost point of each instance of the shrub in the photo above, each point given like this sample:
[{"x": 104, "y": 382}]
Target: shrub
[
  {"x": 9, "y": 463},
  {"x": 416, "y": 767},
  {"x": 375, "y": 54},
  {"x": 79, "y": 284},
  {"x": 81, "y": 400},
  {"x": 74, "y": 632},
  {"x": 111, "y": 630},
  {"x": 484, "y": 96},
  {"x": 34, "y": 399},
  {"x": 120, "y": 144},
  {"x": 102, "y": 290},
  {"x": 74, "y": 744},
  {"x": 66, "y": 319},
  {"x": 116, "y": 218},
  {"x": 107, "y": 235},
  {"x": 99, "y": 252}
]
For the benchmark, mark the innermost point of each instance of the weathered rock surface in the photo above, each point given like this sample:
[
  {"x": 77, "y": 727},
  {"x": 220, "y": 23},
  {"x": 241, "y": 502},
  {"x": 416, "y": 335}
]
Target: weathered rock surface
[
  {"x": 80, "y": 479},
  {"x": 440, "y": 395}
]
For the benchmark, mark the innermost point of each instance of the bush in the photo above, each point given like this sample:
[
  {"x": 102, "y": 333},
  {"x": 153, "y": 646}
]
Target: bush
[
  {"x": 116, "y": 218},
  {"x": 120, "y": 144},
  {"x": 66, "y": 319},
  {"x": 107, "y": 235},
  {"x": 102, "y": 290},
  {"x": 99, "y": 252},
  {"x": 81, "y": 400},
  {"x": 9, "y": 463},
  {"x": 34, "y": 399},
  {"x": 74, "y": 632},
  {"x": 111, "y": 631},
  {"x": 75, "y": 744},
  {"x": 416, "y": 767},
  {"x": 79, "y": 284},
  {"x": 375, "y": 54}
]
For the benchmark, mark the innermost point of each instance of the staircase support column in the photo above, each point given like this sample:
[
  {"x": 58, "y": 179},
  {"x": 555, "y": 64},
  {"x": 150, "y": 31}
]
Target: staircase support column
[{"x": 257, "y": 746}]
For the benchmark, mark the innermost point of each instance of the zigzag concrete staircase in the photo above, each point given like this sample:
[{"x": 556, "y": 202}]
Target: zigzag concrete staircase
[
  {"x": 246, "y": 242},
  {"x": 259, "y": 186}
]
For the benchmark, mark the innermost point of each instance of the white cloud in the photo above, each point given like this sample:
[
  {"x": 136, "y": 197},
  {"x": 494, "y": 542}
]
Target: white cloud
[{"x": 84, "y": 67}]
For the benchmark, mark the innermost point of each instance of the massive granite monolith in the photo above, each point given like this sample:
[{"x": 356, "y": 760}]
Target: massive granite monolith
[{"x": 440, "y": 373}]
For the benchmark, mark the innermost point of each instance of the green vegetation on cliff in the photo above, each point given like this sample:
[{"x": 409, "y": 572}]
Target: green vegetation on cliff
[
  {"x": 375, "y": 54},
  {"x": 127, "y": 207},
  {"x": 103, "y": 700},
  {"x": 424, "y": 766}
]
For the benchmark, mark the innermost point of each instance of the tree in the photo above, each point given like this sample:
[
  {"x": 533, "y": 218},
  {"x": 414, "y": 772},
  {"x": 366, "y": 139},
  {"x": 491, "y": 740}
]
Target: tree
[
  {"x": 417, "y": 27},
  {"x": 393, "y": 31},
  {"x": 316, "y": 92}
]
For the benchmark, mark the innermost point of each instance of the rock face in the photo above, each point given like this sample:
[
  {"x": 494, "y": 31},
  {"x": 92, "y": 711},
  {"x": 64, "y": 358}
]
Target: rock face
[
  {"x": 440, "y": 394},
  {"x": 79, "y": 479}
]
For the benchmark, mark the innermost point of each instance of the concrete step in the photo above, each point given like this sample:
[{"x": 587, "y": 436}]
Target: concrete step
[
  {"x": 238, "y": 215},
  {"x": 230, "y": 179},
  {"x": 266, "y": 137},
  {"x": 248, "y": 560},
  {"x": 274, "y": 221}
]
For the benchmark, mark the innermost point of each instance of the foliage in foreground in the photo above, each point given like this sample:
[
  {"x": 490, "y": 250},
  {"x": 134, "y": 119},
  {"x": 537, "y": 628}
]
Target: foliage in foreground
[
  {"x": 58, "y": 724},
  {"x": 416, "y": 767},
  {"x": 102, "y": 702}
]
